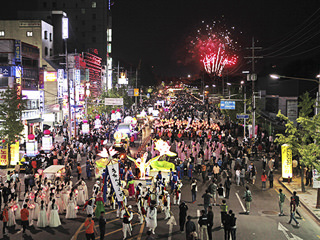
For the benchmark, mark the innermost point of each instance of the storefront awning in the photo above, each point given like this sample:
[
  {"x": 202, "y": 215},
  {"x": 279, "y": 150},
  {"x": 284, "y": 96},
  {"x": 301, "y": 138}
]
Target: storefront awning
[{"x": 36, "y": 120}]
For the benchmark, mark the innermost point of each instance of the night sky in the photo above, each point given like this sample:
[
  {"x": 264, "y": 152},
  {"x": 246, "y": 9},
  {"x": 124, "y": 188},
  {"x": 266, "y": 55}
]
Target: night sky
[{"x": 156, "y": 31}]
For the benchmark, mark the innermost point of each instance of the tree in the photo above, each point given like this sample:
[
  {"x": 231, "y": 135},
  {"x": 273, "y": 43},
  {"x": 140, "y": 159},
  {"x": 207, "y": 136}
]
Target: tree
[
  {"x": 302, "y": 138},
  {"x": 11, "y": 108},
  {"x": 96, "y": 106}
]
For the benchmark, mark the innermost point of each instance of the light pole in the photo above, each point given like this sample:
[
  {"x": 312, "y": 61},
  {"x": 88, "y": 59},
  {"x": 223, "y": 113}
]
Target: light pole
[{"x": 276, "y": 76}]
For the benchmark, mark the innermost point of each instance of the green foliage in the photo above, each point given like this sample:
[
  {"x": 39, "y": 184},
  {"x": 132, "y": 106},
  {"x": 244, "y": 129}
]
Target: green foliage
[
  {"x": 306, "y": 103},
  {"x": 304, "y": 137},
  {"x": 10, "y": 116},
  {"x": 96, "y": 106}
]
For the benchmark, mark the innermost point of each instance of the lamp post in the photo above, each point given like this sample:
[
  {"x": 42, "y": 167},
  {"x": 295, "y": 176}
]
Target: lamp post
[{"x": 276, "y": 76}]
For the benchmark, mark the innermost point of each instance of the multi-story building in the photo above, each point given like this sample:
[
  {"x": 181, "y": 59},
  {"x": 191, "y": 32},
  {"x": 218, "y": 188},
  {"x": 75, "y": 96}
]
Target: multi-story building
[{"x": 19, "y": 68}]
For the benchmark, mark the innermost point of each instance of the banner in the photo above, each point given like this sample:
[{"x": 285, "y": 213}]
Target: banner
[
  {"x": 286, "y": 156},
  {"x": 47, "y": 143},
  {"x": 31, "y": 148},
  {"x": 113, "y": 171},
  {"x": 85, "y": 128},
  {"x": 3, "y": 155}
]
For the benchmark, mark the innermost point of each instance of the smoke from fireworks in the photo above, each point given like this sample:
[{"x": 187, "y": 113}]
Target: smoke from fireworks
[{"x": 214, "y": 47}]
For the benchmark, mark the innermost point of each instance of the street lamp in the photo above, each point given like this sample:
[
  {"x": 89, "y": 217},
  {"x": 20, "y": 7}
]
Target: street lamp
[{"x": 276, "y": 76}]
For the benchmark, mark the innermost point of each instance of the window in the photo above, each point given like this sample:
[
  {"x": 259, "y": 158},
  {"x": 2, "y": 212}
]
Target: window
[
  {"x": 93, "y": 39},
  {"x": 94, "y": 4},
  {"x": 51, "y": 52},
  {"x": 54, "y": 5},
  {"x": 63, "y": 5},
  {"x": 83, "y": 22},
  {"x": 45, "y": 34},
  {"x": 83, "y": 10},
  {"x": 94, "y": 27},
  {"x": 94, "y": 16},
  {"x": 45, "y": 4},
  {"x": 50, "y": 37},
  {"x": 46, "y": 51},
  {"x": 1, "y": 33},
  {"x": 29, "y": 33},
  {"x": 83, "y": 34},
  {"x": 76, "y": 17}
]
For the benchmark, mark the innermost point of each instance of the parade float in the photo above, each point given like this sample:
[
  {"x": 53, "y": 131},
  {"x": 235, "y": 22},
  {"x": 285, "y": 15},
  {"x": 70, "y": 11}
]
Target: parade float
[
  {"x": 101, "y": 164},
  {"x": 147, "y": 174}
]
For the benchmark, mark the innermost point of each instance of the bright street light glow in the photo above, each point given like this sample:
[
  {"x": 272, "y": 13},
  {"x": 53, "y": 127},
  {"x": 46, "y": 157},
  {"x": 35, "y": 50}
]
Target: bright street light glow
[
  {"x": 318, "y": 76},
  {"x": 189, "y": 76},
  {"x": 274, "y": 76},
  {"x": 242, "y": 82},
  {"x": 213, "y": 85},
  {"x": 229, "y": 84}
]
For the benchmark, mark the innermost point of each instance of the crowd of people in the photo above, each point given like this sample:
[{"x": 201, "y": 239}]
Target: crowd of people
[{"x": 207, "y": 149}]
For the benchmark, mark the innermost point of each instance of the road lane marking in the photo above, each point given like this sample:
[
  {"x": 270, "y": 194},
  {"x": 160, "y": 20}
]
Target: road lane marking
[
  {"x": 240, "y": 202},
  {"x": 77, "y": 232},
  {"x": 117, "y": 231},
  {"x": 198, "y": 215},
  {"x": 141, "y": 231},
  {"x": 114, "y": 220}
]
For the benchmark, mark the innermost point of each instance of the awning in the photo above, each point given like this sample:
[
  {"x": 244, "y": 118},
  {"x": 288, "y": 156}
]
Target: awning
[{"x": 35, "y": 120}]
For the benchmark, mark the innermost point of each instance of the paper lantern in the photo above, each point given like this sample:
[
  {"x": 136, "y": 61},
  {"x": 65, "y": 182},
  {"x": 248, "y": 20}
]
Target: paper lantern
[
  {"x": 46, "y": 132},
  {"x": 85, "y": 121},
  {"x": 3, "y": 141},
  {"x": 118, "y": 110},
  {"x": 97, "y": 117},
  {"x": 113, "y": 111}
]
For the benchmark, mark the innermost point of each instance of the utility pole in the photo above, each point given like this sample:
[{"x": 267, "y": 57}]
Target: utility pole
[{"x": 253, "y": 77}]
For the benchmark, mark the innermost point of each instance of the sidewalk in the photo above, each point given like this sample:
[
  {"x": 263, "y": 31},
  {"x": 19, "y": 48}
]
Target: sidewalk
[{"x": 308, "y": 199}]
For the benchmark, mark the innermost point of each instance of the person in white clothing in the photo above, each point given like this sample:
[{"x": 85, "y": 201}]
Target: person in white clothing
[
  {"x": 151, "y": 219},
  {"x": 71, "y": 207},
  {"x": 126, "y": 225},
  {"x": 167, "y": 206},
  {"x": 42, "y": 218}
]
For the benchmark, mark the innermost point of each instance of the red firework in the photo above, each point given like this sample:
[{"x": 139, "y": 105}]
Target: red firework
[{"x": 215, "y": 48}]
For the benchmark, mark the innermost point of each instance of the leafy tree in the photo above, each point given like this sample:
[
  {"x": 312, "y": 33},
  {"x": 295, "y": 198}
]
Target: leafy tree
[
  {"x": 302, "y": 138},
  {"x": 11, "y": 108},
  {"x": 96, "y": 106}
]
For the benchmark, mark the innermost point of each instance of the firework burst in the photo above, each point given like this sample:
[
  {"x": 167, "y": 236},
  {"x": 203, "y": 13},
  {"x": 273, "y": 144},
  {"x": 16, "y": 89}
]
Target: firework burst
[{"x": 214, "y": 46}]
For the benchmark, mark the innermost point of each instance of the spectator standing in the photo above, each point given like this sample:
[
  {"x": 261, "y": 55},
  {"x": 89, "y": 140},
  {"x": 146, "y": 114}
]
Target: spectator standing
[
  {"x": 79, "y": 171},
  {"x": 264, "y": 180},
  {"x": 203, "y": 222},
  {"x": 194, "y": 190},
  {"x": 24, "y": 217},
  {"x": 248, "y": 199},
  {"x": 227, "y": 185},
  {"x": 102, "y": 225},
  {"x": 233, "y": 226},
  {"x": 90, "y": 228},
  {"x": 183, "y": 209},
  {"x": 282, "y": 197},
  {"x": 210, "y": 222},
  {"x": 5, "y": 219},
  {"x": 271, "y": 179},
  {"x": 206, "y": 200},
  {"x": 190, "y": 229}
]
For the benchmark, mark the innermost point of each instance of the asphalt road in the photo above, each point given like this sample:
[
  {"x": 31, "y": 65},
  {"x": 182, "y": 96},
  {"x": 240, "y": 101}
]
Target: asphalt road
[{"x": 262, "y": 223}]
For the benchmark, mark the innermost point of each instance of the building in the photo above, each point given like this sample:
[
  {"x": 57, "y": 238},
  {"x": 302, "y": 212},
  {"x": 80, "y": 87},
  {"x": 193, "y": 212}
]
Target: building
[{"x": 19, "y": 67}]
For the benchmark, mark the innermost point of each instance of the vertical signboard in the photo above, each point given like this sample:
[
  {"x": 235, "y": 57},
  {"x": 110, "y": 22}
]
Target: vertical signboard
[
  {"x": 286, "y": 156},
  {"x": 17, "y": 51},
  {"x": 77, "y": 84},
  {"x": 18, "y": 80},
  {"x": 65, "y": 28},
  {"x": 41, "y": 102},
  {"x": 60, "y": 77},
  {"x": 41, "y": 79}
]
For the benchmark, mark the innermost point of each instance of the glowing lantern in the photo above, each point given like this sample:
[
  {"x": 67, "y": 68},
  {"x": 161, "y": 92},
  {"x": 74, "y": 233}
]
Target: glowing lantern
[
  {"x": 46, "y": 132},
  {"x": 31, "y": 137}
]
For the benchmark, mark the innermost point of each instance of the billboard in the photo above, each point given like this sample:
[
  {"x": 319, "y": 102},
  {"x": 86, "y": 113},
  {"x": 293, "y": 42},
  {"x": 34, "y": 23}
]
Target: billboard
[
  {"x": 50, "y": 76},
  {"x": 286, "y": 157}
]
